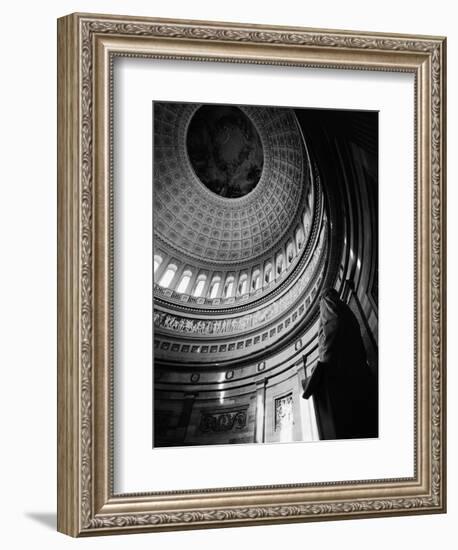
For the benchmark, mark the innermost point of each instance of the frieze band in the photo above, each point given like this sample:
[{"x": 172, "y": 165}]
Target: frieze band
[{"x": 225, "y": 421}]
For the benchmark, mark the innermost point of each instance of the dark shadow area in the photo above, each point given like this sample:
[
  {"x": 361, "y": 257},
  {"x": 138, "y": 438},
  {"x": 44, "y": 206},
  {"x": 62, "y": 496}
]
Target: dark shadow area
[
  {"x": 48, "y": 519},
  {"x": 225, "y": 150}
]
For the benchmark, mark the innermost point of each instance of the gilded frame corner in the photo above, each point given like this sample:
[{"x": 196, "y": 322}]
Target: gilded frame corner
[{"x": 87, "y": 44}]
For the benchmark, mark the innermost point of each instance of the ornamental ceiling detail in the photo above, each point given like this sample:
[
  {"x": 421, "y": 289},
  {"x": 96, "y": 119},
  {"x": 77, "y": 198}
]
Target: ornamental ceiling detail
[{"x": 193, "y": 220}]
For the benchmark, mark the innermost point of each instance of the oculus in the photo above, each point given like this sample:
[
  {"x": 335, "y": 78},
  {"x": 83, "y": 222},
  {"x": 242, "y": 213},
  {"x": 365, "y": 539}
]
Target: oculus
[{"x": 225, "y": 150}]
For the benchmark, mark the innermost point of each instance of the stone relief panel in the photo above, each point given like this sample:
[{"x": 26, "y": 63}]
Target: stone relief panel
[
  {"x": 223, "y": 420},
  {"x": 284, "y": 412}
]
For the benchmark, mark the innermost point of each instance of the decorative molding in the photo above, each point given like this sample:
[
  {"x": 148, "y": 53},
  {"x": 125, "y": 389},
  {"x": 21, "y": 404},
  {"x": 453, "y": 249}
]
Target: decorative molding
[
  {"x": 297, "y": 511},
  {"x": 232, "y": 34},
  {"x": 86, "y": 282},
  {"x": 303, "y": 38},
  {"x": 261, "y": 366},
  {"x": 437, "y": 277},
  {"x": 223, "y": 420},
  {"x": 258, "y": 339},
  {"x": 174, "y": 324}
]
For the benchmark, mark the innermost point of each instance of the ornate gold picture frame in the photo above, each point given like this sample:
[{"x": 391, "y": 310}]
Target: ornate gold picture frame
[{"x": 87, "y": 46}]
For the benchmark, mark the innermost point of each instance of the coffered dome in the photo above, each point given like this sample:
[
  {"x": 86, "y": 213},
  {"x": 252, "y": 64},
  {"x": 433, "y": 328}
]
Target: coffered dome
[
  {"x": 200, "y": 224},
  {"x": 240, "y": 230},
  {"x": 257, "y": 210}
]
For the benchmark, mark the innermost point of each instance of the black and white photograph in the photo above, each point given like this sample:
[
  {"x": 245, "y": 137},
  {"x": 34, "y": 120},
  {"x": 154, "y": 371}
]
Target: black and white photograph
[
  {"x": 227, "y": 235},
  {"x": 265, "y": 300}
]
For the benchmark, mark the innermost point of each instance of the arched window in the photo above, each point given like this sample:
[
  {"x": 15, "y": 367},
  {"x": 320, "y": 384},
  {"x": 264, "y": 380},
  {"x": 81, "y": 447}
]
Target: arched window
[
  {"x": 157, "y": 261},
  {"x": 168, "y": 275},
  {"x": 184, "y": 282},
  {"x": 299, "y": 238},
  {"x": 268, "y": 273},
  {"x": 199, "y": 288},
  {"x": 229, "y": 287},
  {"x": 306, "y": 220},
  {"x": 290, "y": 252},
  {"x": 256, "y": 279},
  {"x": 243, "y": 285},
  {"x": 280, "y": 264},
  {"x": 214, "y": 286}
]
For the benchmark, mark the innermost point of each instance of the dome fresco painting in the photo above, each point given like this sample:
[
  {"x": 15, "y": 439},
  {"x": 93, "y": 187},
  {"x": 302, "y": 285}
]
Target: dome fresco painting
[
  {"x": 225, "y": 150},
  {"x": 256, "y": 210}
]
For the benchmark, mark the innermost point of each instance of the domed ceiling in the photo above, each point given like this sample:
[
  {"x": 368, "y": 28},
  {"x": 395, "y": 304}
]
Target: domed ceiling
[
  {"x": 238, "y": 202},
  {"x": 240, "y": 230}
]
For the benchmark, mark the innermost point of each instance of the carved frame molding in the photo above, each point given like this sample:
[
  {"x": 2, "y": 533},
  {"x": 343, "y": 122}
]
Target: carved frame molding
[{"x": 87, "y": 44}]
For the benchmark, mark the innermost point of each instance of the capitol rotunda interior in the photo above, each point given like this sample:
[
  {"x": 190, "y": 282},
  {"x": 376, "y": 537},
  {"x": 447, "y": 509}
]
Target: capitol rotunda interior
[{"x": 256, "y": 210}]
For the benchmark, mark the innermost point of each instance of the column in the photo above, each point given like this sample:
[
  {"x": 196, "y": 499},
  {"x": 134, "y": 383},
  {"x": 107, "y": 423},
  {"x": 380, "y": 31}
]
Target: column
[
  {"x": 259, "y": 435},
  {"x": 249, "y": 279},
  {"x": 177, "y": 277},
  {"x": 309, "y": 427},
  {"x": 219, "y": 294},
  {"x": 161, "y": 269},
  {"x": 207, "y": 284},
  {"x": 192, "y": 282}
]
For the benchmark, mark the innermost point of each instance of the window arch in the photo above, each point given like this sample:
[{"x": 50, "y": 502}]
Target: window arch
[
  {"x": 306, "y": 219},
  {"x": 215, "y": 286},
  {"x": 243, "y": 285},
  {"x": 256, "y": 280},
  {"x": 290, "y": 252},
  {"x": 299, "y": 238},
  {"x": 268, "y": 273},
  {"x": 280, "y": 264},
  {"x": 167, "y": 278},
  {"x": 229, "y": 286},
  {"x": 200, "y": 284},
  {"x": 157, "y": 261},
  {"x": 184, "y": 282}
]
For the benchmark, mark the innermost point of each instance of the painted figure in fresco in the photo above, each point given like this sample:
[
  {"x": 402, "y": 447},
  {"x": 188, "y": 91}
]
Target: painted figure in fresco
[{"x": 343, "y": 386}]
